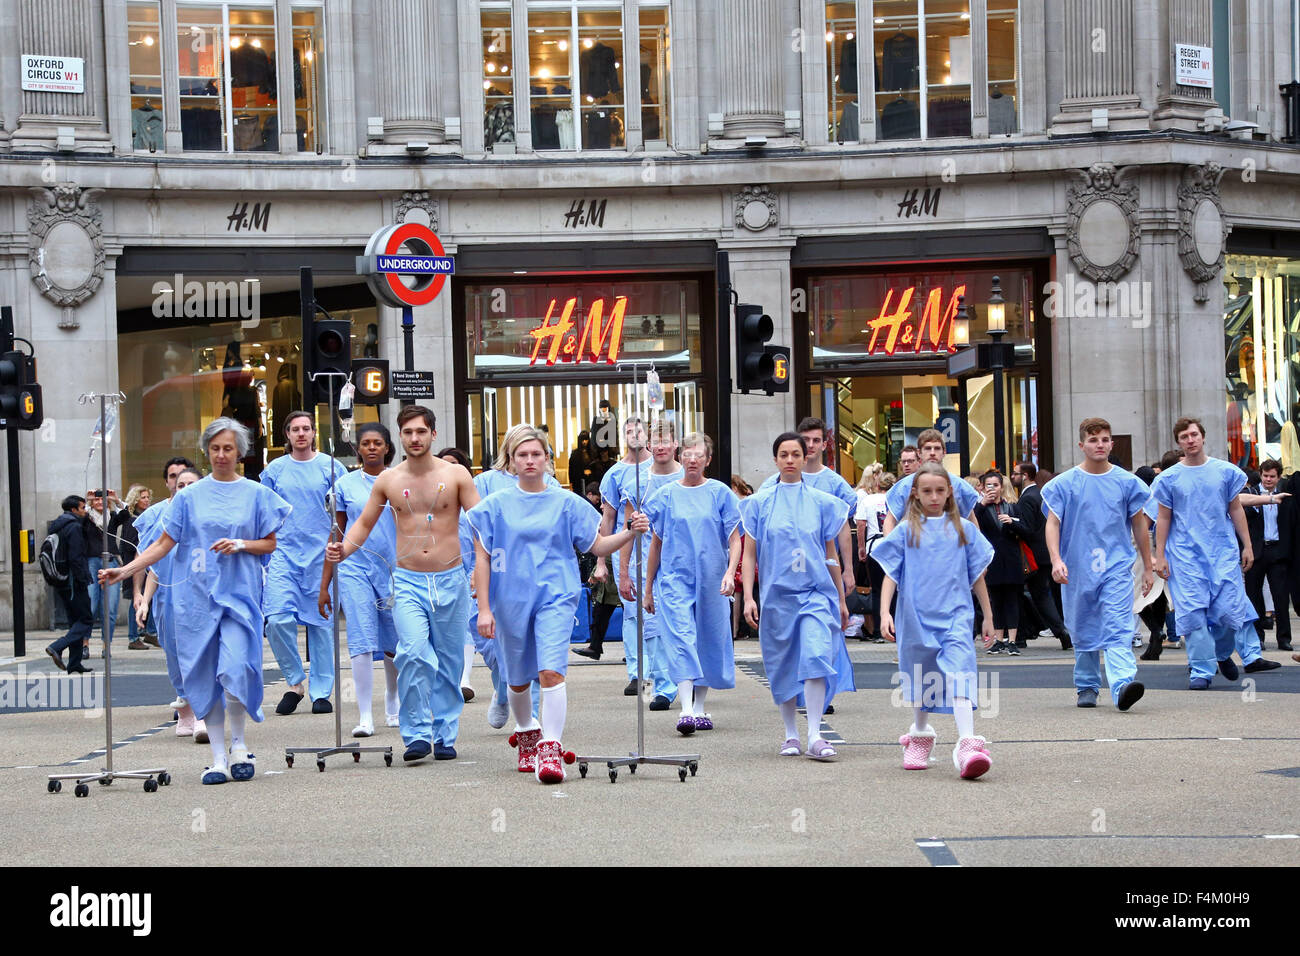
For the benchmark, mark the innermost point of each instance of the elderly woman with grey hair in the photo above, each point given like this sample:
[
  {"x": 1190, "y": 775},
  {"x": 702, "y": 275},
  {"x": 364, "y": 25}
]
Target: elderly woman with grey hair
[{"x": 222, "y": 526}]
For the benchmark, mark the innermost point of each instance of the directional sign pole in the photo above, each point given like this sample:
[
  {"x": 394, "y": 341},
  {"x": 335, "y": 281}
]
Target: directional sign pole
[{"x": 408, "y": 344}]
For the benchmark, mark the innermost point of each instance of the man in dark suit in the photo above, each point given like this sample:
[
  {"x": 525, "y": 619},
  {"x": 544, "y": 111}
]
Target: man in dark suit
[
  {"x": 1034, "y": 522},
  {"x": 1271, "y": 520}
]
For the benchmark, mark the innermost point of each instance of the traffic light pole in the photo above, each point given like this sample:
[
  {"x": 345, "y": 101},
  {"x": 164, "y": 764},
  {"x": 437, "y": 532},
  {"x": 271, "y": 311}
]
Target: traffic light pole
[{"x": 15, "y": 532}]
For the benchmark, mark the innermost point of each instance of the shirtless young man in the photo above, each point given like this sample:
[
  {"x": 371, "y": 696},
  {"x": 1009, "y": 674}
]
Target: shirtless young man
[{"x": 431, "y": 611}]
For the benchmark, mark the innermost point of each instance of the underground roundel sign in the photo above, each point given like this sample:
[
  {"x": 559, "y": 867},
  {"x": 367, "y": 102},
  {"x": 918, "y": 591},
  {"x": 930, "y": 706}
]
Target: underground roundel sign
[{"x": 405, "y": 265}]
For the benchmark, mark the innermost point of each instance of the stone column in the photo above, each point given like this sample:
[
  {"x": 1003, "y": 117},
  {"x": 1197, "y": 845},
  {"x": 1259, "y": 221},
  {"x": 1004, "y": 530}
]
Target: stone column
[
  {"x": 1183, "y": 107},
  {"x": 749, "y": 35},
  {"x": 69, "y": 28},
  {"x": 407, "y": 77},
  {"x": 979, "y": 68},
  {"x": 1098, "y": 67}
]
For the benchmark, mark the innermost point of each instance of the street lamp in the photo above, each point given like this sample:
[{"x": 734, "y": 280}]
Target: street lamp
[
  {"x": 961, "y": 323},
  {"x": 997, "y": 317}
]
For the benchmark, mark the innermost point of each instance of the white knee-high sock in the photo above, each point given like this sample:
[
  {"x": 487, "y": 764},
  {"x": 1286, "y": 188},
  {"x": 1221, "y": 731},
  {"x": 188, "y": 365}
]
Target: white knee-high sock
[
  {"x": 700, "y": 694},
  {"x": 814, "y": 694},
  {"x": 920, "y": 722},
  {"x": 363, "y": 679},
  {"x": 964, "y": 714},
  {"x": 467, "y": 670},
  {"x": 686, "y": 694},
  {"x": 789, "y": 710},
  {"x": 238, "y": 715},
  {"x": 521, "y": 706},
  {"x": 215, "y": 719},
  {"x": 390, "y": 687},
  {"x": 555, "y": 709}
]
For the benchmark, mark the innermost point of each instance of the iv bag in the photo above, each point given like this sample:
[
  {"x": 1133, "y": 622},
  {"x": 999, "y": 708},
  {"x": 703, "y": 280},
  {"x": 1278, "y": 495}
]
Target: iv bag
[{"x": 654, "y": 391}]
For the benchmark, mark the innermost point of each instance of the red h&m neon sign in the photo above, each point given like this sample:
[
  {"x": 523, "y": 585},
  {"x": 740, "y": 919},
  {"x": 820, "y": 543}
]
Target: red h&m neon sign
[
  {"x": 933, "y": 332},
  {"x": 565, "y": 346}
]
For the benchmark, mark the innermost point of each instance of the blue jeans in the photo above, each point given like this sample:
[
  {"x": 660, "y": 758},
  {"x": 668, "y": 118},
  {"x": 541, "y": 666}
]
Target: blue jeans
[
  {"x": 114, "y": 596},
  {"x": 282, "y": 635},
  {"x": 1121, "y": 669},
  {"x": 431, "y": 614}
]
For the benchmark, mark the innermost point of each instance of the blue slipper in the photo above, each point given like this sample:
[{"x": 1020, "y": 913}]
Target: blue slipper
[
  {"x": 418, "y": 750},
  {"x": 1199, "y": 683},
  {"x": 443, "y": 751},
  {"x": 216, "y": 775},
  {"x": 241, "y": 764}
]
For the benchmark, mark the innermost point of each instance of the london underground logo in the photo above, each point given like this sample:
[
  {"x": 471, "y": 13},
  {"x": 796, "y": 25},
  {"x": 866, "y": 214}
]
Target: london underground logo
[{"x": 405, "y": 265}]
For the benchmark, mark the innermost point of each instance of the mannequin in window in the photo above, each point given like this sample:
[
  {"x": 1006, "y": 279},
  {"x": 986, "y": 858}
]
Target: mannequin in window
[{"x": 1002, "y": 113}]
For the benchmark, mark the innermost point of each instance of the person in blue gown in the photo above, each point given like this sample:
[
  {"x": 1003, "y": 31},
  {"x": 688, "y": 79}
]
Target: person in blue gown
[
  {"x": 933, "y": 559},
  {"x": 690, "y": 578},
  {"x": 1094, "y": 516},
  {"x": 1196, "y": 551},
  {"x": 527, "y": 587},
  {"x": 932, "y": 448},
  {"x": 790, "y": 541},
  {"x": 221, "y": 526},
  {"x": 293, "y": 573},
  {"x": 366, "y": 584}
]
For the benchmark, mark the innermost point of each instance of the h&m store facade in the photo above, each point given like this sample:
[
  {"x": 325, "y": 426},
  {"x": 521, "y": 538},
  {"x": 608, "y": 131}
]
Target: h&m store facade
[{"x": 533, "y": 330}]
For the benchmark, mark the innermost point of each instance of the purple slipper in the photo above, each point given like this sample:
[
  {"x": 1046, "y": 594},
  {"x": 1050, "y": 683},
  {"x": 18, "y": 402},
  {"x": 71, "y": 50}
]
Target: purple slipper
[
  {"x": 686, "y": 725},
  {"x": 704, "y": 723},
  {"x": 820, "y": 750},
  {"x": 791, "y": 748}
]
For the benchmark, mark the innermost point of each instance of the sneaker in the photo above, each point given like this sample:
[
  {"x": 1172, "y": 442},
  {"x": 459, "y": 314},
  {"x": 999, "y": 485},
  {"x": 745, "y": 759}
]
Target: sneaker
[
  {"x": 704, "y": 723},
  {"x": 685, "y": 725},
  {"x": 498, "y": 713},
  {"x": 917, "y": 745},
  {"x": 550, "y": 761},
  {"x": 1013, "y": 649},
  {"x": 997, "y": 647},
  {"x": 1137, "y": 641},
  {"x": 971, "y": 757},
  {"x": 1087, "y": 698},
  {"x": 1254, "y": 667},
  {"x": 1130, "y": 695},
  {"x": 526, "y": 741}
]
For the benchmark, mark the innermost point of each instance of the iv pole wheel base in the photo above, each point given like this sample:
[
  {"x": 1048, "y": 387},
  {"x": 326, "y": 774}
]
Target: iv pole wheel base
[
  {"x": 164, "y": 779},
  {"x": 681, "y": 774},
  {"x": 582, "y": 770},
  {"x": 356, "y": 758},
  {"x": 151, "y": 785},
  {"x": 288, "y": 759},
  {"x": 694, "y": 767},
  {"x": 613, "y": 776},
  {"x": 82, "y": 790},
  {"x": 631, "y": 768},
  {"x": 105, "y": 781},
  {"x": 320, "y": 765},
  {"x": 388, "y": 760},
  {"x": 55, "y": 786}
]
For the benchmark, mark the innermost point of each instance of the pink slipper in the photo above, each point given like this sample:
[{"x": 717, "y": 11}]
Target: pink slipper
[
  {"x": 916, "y": 749},
  {"x": 791, "y": 748},
  {"x": 820, "y": 750},
  {"x": 971, "y": 758}
]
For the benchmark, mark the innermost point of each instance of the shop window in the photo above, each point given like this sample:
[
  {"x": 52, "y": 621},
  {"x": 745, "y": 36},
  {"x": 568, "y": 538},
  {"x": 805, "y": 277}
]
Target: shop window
[
  {"x": 498, "y": 82},
  {"x": 1260, "y": 324},
  {"x": 145, "y": 57},
  {"x": 842, "y": 71},
  {"x": 228, "y": 81},
  {"x": 654, "y": 74},
  {"x": 575, "y": 76},
  {"x": 925, "y": 67}
]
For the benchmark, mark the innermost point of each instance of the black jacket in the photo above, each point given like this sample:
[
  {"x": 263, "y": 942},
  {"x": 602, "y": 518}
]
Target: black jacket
[
  {"x": 1286, "y": 523},
  {"x": 73, "y": 529},
  {"x": 1034, "y": 524},
  {"x": 1005, "y": 538}
]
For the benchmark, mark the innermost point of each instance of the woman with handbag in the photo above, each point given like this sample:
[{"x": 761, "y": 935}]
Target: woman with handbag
[{"x": 1000, "y": 523}]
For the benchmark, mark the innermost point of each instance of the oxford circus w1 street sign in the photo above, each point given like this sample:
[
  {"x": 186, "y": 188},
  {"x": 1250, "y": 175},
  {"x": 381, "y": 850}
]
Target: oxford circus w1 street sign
[{"x": 405, "y": 265}]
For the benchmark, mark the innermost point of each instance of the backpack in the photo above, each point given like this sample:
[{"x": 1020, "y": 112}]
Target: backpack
[{"x": 53, "y": 558}]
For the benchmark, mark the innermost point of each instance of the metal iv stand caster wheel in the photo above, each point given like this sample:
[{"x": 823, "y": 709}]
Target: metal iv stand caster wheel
[
  {"x": 55, "y": 786},
  {"x": 582, "y": 770},
  {"x": 151, "y": 785},
  {"x": 82, "y": 790}
]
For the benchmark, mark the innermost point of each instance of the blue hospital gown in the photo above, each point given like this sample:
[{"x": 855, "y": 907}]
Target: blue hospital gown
[
  {"x": 896, "y": 497},
  {"x": 535, "y": 587},
  {"x": 486, "y": 482},
  {"x": 828, "y": 480},
  {"x": 935, "y": 617},
  {"x": 1096, "y": 514},
  {"x": 1205, "y": 578},
  {"x": 366, "y": 577},
  {"x": 799, "y": 621},
  {"x": 694, "y": 525},
  {"x": 218, "y": 597},
  {"x": 149, "y": 527},
  {"x": 293, "y": 571}
]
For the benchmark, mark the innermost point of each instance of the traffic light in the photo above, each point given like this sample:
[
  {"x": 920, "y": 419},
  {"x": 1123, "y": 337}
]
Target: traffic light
[
  {"x": 328, "y": 348},
  {"x": 754, "y": 366},
  {"x": 370, "y": 376},
  {"x": 20, "y": 395},
  {"x": 780, "y": 380}
]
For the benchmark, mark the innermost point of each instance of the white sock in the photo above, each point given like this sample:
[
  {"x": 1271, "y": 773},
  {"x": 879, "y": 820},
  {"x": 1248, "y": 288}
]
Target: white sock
[
  {"x": 686, "y": 694},
  {"x": 238, "y": 717},
  {"x": 700, "y": 693},
  {"x": 964, "y": 714},
  {"x": 555, "y": 708},
  {"x": 814, "y": 694},
  {"x": 788, "y": 712},
  {"x": 215, "y": 720},
  {"x": 521, "y": 706},
  {"x": 467, "y": 671},
  {"x": 363, "y": 679},
  {"x": 920, "y": 722},
  {"x": 391, "y": 703}
]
